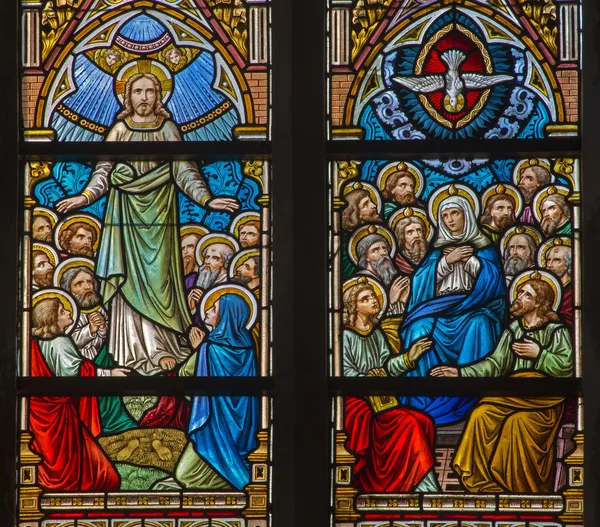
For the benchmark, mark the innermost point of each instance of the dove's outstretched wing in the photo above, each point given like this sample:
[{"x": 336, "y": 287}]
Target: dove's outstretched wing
[
  {"x": 427, "y": 84},
  {"x": 476, "y": 81}
]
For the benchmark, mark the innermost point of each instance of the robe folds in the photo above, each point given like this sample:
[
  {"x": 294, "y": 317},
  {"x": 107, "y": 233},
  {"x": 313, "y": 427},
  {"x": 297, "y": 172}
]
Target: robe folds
[
  {"x": 508, "y": 444},
  {"x": 63, "y": 430},
  {"x": 464, "y": 327},
  {"x": 139, "y": 261},
  {"x": 394, "y": 448},
  {"x": 223, "y": 429}
]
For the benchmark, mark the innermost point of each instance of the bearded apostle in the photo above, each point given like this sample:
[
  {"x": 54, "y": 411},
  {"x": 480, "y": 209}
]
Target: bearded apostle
[
  {"x": 508, "y": 442},
  {"x": 457, "y": 299},
  {"x": 64, "y": 427},
  {"x": 394, "y": 445}
]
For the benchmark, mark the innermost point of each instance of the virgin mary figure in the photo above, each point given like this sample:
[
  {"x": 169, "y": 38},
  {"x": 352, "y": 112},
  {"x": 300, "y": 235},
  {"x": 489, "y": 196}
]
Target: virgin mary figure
[
  {"x": 457, "y": 300},
  {"x": 223, "y": 429}
]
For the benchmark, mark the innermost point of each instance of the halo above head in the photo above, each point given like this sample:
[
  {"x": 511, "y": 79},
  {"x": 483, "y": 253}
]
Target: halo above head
[
  {"x": 159, "y": 70},
  {"x": 561, "y": 241},
  {"x": 71, "y": 263},
  {"x": 48, "y": 251},
  {"x": 550, "y": 190},
  {"x": 241, "y": 219},
  {"x": 364, "y": 231},
  {"x": 372, "y": 191},
  {"x": 209, "y": 299},
  {"x": 67, "y": 301},
  {"x": 392, "y": 168},
  {"x": 411, "y": 212},
  {"x": 193, "y": 228},
  {"x": 533, "y": 162},
  {"x": 502, "y": 189},
  {"x": 545, "y": 276},
  {"x": 241, "y": 258},
  {"x": 79, "y": 218},
  {"x": 520, "y": 229},
  {"x": 377, "y": 287},
  {"x": 447, "y": 191},
  {"x": 46, "y": 213},
  {"x": 213, "y": 238}
]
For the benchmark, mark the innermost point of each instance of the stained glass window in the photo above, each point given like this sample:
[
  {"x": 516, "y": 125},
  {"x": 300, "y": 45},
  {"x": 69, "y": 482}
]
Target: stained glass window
[
  {"x": 145, "y": 264},
  {"x": 431, "y": 70},
  {"x": 455, "y": 274}
]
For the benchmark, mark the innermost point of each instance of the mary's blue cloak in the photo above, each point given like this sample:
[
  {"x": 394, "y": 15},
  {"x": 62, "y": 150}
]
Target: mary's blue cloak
[
  {"x": 464, "y": 327},
  {"x": 224, "y": 428}
]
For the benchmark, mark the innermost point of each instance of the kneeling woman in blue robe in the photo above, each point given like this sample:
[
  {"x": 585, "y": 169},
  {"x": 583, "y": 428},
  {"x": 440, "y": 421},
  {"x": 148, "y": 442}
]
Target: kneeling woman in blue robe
[
  {"x": 457, "y": 300},
  {"x": 223, "y": 428}
]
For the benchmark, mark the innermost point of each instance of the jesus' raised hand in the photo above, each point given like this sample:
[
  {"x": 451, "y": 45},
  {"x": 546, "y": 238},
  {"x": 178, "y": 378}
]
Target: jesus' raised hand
[
  {"x": 76, "y": 202},
  {"x": 226, "y": 204}
]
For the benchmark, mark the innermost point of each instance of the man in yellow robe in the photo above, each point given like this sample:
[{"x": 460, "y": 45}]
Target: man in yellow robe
[{"x": 508, "y": 442}]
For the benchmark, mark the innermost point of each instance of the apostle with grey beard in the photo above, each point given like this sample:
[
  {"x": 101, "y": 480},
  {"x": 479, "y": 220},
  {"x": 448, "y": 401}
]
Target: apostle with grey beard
[
  {"x": 374, "y": 261},
  {"x": 91, "y": 328},
  {"x": 216, "y": 258},
  {"x": 519, "y": 254}
]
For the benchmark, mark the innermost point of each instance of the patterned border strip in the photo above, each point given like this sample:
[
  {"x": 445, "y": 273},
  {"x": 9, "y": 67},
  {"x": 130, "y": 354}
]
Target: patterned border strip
[
  {"x": 134, "y": 500},
  {"x": 215, "y": 113},
  {"x": 458, "y": 502},
  {"x": 69, "y": 114}
]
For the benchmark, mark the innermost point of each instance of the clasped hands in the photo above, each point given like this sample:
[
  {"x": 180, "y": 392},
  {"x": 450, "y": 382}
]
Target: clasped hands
[
  {"x": 458, "y": 254},
  {"x": 400, "y": 290}
]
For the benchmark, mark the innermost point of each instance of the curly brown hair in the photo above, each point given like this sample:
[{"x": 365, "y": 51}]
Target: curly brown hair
[
  {"x": 393, "y": 179},
  {"x": 44, "y": 318},
  {"x": 545, "y": 297},
  {"x": 350, "y": 300},
  {"x": 159, "y": 109},
  {"x": 486, "y": 217},
  {"x": 67, "y": 234}
]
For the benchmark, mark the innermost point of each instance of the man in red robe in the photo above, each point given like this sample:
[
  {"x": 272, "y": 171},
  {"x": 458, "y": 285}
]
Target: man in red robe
[{"x": 64, "y": 427}]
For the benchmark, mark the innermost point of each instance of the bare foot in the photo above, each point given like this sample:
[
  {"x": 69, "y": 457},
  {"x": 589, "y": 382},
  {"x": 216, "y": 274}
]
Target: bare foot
[
  {"x": 125, "y": 453},
  {"x": 167, "y": 363},
  {"x": 163, "y": 452}
]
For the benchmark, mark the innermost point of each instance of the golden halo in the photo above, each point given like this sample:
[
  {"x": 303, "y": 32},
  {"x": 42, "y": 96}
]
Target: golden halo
[
  {"x": 241, "y": 220},
  {"x": 537, "y": 275},
  {"x": 379, "y": 290},
  {"x": 193, "y": 228},
  {"x": 48, "y": 251},
  {"x": 241, "y": 258},
  {"x": 135, "y": 67},
  {"x": 520, "y": 229},
  {"x": 215, "y": 294},
  {"x": 526, "y": 163},
  {"x": 83, "y": 218},
  {"x": 210, "y": 239},
  {"x": 536, "y": 205},
  {"x": 509, "y": 190},
  {"x": 70, "y": 264},
  {"x": 560, "y": 241},
  {"x": 66, "y": 300},
  {"x": 46, "y": 213},
  {"x": 408, "y": 212},
  {"x": 394, "y": 167},
  {"x": 372, "y": 191},
  {"x": 364, "y": 231},
  {"x": 454, "y": 189}
]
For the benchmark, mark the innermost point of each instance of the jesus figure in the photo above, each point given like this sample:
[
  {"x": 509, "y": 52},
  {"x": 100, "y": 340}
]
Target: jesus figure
[{"x": 139, "y": 262}]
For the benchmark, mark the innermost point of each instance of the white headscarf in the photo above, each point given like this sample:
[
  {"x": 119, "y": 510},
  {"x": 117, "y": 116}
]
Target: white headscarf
[{"x": 470, "y": 234}]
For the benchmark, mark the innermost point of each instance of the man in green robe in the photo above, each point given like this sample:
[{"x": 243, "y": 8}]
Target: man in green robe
[
  {"x": 139, "y": 262},
  {"x": 508, "y": 442}
]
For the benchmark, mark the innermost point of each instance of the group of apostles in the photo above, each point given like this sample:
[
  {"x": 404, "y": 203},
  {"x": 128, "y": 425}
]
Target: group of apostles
[
  {"x": 74, "y": 334},
  {"x": 462, "y": 285}
]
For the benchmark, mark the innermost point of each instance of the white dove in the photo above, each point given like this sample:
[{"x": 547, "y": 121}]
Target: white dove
[{"x": 453, "y": 81}]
